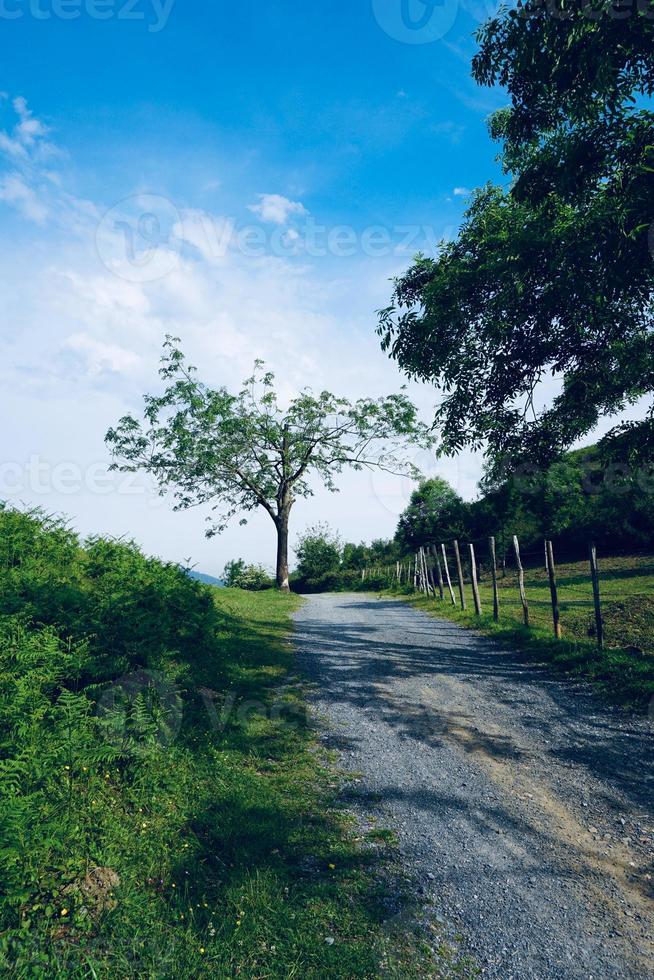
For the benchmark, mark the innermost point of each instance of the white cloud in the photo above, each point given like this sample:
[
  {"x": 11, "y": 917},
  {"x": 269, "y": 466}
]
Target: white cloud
[
  {"x": 14, "y": 191},
  {"x": 99, "y": 357},
  {"x": 276, "y": 208},
  {"x": 461, "y": 191},
  {"x": 25, "y": 187},
  {"x": 28, "y": 128}
]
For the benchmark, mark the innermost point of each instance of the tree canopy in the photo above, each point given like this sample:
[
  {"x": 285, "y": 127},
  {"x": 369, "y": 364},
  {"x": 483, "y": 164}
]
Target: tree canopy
[
  {"x": 574, "y": 500},
  {"x": 435, "y": 513},
  {"x": 235, "y": 452},
  {"x": 554, "y": 276}
]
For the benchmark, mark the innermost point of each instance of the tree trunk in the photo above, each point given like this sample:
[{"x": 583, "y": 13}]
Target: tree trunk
[{"x": 281, "y": 573}]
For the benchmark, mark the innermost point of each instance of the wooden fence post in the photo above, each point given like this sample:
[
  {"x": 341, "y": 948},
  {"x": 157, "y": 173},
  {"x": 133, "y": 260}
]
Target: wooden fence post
[
  {"x": 459, "y": 572},
  {"x": 473, "y": 578},
  {"x": 428, "y": 572},
  {"x": 439, "y": 573},
  {"x": 553, "y": 591},
  {"x": 428, "y": 588},
  {"x": 496, "y": 596},
  {"x": 521, "y": 581},
  {"x": 447, "y": 575},
  {"x": 594, "y": 574}
]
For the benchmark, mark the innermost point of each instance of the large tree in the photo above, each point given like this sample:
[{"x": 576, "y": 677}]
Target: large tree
[
  {"x": 239, "y": 451},
  {"x": 554, "y": 276},
  {"x": 435, "y": 513}
]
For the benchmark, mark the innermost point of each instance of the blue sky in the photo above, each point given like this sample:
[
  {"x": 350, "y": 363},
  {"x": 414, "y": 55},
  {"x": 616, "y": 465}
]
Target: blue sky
[{"x": 293, "y": 158}]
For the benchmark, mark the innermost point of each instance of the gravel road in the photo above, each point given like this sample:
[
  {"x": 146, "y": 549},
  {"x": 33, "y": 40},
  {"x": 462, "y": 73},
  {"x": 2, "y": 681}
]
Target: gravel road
[{"x": 524, "y": 807}]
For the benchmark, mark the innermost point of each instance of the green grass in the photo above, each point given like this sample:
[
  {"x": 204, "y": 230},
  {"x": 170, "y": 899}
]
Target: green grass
[
  {"x": 233, "y": 857},
  {"x": 624, "y": 670}
]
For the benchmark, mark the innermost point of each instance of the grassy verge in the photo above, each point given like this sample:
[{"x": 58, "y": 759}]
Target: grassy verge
[
  {"x": 219, "y": 853},
  {"x": 623, "y": 671}
]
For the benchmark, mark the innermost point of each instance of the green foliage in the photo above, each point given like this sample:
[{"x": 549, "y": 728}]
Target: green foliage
[
  {"x": 379, "y": 552},
  {"x": 327, "y": 565},
  {"x": 435, "y": 513},
  {"x": 254, "y": 578},
  {"x": 319, "y": 551},
  {"x": 72, "y": 619},
  {"x": 553, "y": 277},
  {"x": 232, "y": 570}
]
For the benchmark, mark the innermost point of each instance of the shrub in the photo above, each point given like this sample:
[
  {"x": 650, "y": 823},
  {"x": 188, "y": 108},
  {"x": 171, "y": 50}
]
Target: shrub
[
  {"x": 74, "y": 617},
  {"x": 254, "y": 578}
]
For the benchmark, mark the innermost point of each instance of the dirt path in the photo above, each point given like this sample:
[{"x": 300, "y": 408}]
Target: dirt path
[{"x": 522, "y": 805}]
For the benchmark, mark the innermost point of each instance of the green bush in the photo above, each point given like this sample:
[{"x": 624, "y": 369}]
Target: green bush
[
  {"x": 73, "y": 618},
  {"x": 254, "y": 578}
]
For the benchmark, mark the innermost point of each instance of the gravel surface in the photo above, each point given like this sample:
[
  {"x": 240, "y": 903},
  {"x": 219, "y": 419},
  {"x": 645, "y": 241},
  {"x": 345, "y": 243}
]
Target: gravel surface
[{"x": 524, "y": 806}]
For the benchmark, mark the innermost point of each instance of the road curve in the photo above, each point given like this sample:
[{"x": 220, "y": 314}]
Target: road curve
[{"x": 524, "y": 807}]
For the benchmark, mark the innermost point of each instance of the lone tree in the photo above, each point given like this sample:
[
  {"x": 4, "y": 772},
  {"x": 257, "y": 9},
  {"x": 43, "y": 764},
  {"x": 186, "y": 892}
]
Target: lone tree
[{"x": 237, "y": 452}]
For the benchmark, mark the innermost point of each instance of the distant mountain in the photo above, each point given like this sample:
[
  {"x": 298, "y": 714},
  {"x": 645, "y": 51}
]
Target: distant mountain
[{"x": 207, "y": 579}]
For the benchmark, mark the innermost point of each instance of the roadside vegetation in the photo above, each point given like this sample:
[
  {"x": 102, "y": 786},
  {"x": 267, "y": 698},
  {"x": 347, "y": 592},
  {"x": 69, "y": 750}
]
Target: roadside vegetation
[{"x": 164, "y": 810}]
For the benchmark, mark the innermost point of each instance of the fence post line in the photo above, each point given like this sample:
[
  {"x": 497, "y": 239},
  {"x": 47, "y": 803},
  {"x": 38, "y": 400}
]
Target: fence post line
[
  {"x": 594, "y": 574},
  {"x": 521, "y": 580},
  {"x": 473, "y": 578},
  {"x": 447, "y": 575},
  {"x": 496, "y": 596},
  {"x": 459, "y": 572},
  {"x": 553, "y": 590},
  {"x": 438, "y": 571}
]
